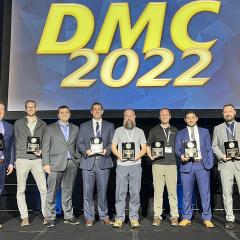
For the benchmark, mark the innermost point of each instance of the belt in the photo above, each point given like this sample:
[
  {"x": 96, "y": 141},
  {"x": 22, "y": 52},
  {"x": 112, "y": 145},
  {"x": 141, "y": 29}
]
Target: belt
[
  {"x": 69, "y": 159},
  {"x": 2, "y": 160},
  {"x": 196, "y": 160}
]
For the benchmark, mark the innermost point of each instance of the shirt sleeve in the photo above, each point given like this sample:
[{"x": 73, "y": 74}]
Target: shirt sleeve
[
  {"x": 142, "y": 138},
  {"x": 115, "y": 139}
]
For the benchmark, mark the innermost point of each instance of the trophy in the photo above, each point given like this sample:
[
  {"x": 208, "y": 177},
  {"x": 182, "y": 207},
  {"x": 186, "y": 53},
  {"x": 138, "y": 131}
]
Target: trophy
[
  {"x": 190, "y": 149},
  {"x": 158, "y": 149},
  {"x": 96, "y": 144},
  {"x": 33, "y": 144},
  {"x": 128, "y": 151},
  {"x": 1, "y": 142},
  {"x": 231, "y": 149}
]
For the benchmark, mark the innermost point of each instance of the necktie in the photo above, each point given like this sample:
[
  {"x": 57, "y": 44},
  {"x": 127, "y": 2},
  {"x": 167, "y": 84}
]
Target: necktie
[
  {"x": 97, "y": 129},
  {"x": 192, "y": 134},
  {"x": 230, "y": 132}
]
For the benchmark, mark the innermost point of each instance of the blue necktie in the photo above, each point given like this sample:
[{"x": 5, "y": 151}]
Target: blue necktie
[{"x": 97, "y": 129}]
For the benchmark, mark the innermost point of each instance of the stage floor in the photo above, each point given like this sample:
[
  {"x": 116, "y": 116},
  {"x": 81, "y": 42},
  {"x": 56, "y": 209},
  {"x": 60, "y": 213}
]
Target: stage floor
[{"x": 36, "y": 231}]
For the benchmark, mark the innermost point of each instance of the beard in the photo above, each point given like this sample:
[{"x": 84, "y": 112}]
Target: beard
[
  {"x": 129, "y": 124},
  {"x": 229, "y": 118}
]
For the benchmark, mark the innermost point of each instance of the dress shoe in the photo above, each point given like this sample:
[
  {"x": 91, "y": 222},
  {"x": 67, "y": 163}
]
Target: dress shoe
[
  {"x": 45, "y": 221},
  {"x": 208, "y": 224},
  {"x": 25, "y": 222},
  {"x": 107, "y": 221},
  {"x": 89, "y": 223},
  {"x": 184, "y": 223}
]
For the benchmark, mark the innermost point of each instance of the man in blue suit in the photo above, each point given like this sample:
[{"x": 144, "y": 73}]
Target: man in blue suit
[
  {"x": 197, "y": 167},
  {"x": 94, "y": 143},
  {"x": 7, "y": 152}
]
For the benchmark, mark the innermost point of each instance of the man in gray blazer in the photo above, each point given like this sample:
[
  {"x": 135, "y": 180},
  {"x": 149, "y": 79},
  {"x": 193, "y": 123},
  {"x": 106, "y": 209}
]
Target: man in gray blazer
[
  {"x": 94, "y": 143},
  {"x": 60, "y": 162},
  {"x": 229, "y": 131}
]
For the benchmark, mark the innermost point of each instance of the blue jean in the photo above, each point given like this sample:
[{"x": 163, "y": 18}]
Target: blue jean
[{"x": 128, "y": 175}]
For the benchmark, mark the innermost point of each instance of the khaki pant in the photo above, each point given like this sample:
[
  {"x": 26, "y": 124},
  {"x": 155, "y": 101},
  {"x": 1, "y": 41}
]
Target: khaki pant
[
  {"x": 23, "y": 167},
  {"x": 165, "y": 174}
]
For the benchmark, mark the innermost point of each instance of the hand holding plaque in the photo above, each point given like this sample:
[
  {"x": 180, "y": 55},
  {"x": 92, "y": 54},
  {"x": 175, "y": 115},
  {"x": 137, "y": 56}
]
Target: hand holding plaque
[
  {"x": 157, "y": 150},
  {"x": 232, "y": 149},
  {"x": 128, "y": 151},
  {"x": 96, "y": 144},
  {"x": 190, "y": 149},
  {"x": 33, "y": 145}
]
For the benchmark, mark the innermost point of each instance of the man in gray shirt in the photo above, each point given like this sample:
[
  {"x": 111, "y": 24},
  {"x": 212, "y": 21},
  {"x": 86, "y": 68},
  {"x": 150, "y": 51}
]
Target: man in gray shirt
[
  {"x": 29, "y": 131},
  {"x": 164, "y": 168},
  {"x": 129, "y": 145}
]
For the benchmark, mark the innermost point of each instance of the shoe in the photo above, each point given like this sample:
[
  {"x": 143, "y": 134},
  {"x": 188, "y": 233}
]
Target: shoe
[
  {"x": 174, "y": 222},
  {"x": 45, "y": 221},
  {"x": 25, "y": 222},
  {"x": 107, "y": 221},
  {"x": 51, "y": 223},
  {"x": 72, "y": 221},
  {"x": 89, "y": 223},
  {"x": 118, "y": 223},
  {"x": 208, "y": 224},
  {"x": 229, "y": 224},
  {"x": 1, "y": 226},
  {"x": 135, "y": 224},
  {"x": 157, "y": 221},
  {"x": 184, "y": 223}
]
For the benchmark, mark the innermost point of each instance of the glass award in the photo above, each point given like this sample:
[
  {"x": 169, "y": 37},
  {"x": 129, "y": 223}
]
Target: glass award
[
  {"x": 1, "y": 142},
  {"x": 231, "y": 149},
  {"x": 96, "y": 144},
  {"x": 190, "y": 149},
  {"x": 128, "y": 151},
  {"x": 33, "y": 144},
  {"x": 157, "y": 150}
]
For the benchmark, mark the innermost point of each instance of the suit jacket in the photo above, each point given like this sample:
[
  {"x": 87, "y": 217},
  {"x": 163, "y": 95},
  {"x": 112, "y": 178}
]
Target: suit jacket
[
  {"x": 55, "y": 148},
  {"x": 9, "y": 146},
  {"x": 219, "y": 137},
  {"x": 83, "y": 143},
  {"x": 205, "y": 148}
]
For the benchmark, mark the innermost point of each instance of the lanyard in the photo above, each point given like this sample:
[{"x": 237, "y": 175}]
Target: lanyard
[
  {"x": 167, "y": 135},
  {"x": 130, "y": 138}
]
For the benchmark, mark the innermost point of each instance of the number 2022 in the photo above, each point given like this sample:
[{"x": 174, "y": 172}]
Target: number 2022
[{"x": 149, "y": 79}]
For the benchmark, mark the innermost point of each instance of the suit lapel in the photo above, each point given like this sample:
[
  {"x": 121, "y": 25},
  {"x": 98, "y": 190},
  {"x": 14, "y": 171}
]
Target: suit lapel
[
  {"x": 90, "y": 127},
  {"x": 59, "y": 130},
  {"x": 186, "y": 136}
]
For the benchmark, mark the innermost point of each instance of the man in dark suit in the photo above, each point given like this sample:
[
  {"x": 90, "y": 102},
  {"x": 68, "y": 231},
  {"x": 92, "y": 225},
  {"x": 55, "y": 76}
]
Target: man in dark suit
[
  {"x": 196, "y": 167},
  {"x": 6, "y": 148},
  {"x": 60, "y": 162},
  {"x": 94, "y": 143}
]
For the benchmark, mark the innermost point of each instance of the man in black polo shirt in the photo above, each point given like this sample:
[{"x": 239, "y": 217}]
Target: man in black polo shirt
[{"x": 164, "y": 167}]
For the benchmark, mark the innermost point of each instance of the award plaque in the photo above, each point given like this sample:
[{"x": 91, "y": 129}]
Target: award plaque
[
  {"x": 128, "y": 151},
  {"x": 1, "y": 142},
  {"x": 33, "y": 144},
  {"x": 158, "y": 149},
  {"x": 190, "y": 149},
  {"x": 96, "y": 144},
  {"x": 231, "y": 149}
]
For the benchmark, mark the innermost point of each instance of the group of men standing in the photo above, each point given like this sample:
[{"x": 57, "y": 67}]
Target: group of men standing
[{"x": 64, "y": 147}]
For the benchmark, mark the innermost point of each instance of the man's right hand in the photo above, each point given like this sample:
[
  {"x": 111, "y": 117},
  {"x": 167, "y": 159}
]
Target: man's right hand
[
  {"x": 184, "y": 159},
  {"x": 225, "y": 159},
  {"x": 89, "y": 153},
  {"x": 47, "y": 169}
]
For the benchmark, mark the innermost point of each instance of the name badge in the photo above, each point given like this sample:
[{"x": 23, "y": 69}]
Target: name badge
[{"x": 168, "y": 150}]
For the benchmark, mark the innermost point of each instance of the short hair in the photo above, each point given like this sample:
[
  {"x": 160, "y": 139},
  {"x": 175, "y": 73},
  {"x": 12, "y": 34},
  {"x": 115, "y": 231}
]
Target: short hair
[
  {"x": 165, "y": 108},
  {"x": 190, "y": 112},
  {"x": 129, "y": 109},
  {"x": 96, "y": 103},
  {"x": 63, "y": 107},
  {"x": 30, "y": 101},
  {"x": 229, "y": 105}
]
